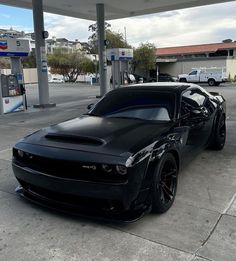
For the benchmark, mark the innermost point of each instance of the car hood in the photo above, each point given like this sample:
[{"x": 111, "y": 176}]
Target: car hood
[{"x": 113, "y": 136}]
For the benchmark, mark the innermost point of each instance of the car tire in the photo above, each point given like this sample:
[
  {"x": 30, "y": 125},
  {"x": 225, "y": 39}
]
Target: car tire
[
  {"x": 182, "y": 80},
  {"x": 219, "y": 135},
  {"x": 164, "y": 184},
  {"x": 211, "y": 82}
]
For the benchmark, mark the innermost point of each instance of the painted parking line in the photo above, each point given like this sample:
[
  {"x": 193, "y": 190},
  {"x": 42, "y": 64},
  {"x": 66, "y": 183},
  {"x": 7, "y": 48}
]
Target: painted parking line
[
  {"x": 6, "y": 154},
  {"x": 228, "y": 206}
]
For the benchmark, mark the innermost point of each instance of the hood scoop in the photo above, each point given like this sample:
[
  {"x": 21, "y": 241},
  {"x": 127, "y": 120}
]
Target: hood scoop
[{"x": 70, "y": 138}]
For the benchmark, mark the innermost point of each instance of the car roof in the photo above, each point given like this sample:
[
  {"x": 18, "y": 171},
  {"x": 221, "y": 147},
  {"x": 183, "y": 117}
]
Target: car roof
[{"x": 176, "y": 87}]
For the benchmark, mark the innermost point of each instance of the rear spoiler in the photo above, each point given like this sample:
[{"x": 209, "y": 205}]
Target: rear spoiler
[{"x": 218, "y": 96}]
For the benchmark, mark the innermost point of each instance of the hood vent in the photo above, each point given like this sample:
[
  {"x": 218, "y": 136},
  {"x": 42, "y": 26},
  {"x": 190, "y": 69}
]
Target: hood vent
[{"x": 69, "y": 138}]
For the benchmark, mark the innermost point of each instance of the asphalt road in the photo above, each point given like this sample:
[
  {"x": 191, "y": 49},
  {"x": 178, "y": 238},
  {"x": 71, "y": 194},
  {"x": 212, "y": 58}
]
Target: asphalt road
[
  {"x": 200, "y": 226},
  {"x": 63, "y": 92}
]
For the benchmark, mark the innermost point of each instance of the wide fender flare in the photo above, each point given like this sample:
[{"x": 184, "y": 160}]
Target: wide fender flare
[{"x": 155, "y": 157}]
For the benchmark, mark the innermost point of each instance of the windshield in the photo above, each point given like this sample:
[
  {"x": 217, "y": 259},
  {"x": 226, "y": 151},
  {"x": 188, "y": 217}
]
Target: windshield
[{"x": 136, "y": 104}]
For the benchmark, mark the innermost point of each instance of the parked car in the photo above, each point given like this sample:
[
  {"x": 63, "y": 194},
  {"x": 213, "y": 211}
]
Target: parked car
[
  {"x": 56, "y": 80},
  {"x": 122, "y": 158},
  {"x": 163, "y": 77},
  {"x": 213, "y": 76},
  {"x": 139, "y": 78}
]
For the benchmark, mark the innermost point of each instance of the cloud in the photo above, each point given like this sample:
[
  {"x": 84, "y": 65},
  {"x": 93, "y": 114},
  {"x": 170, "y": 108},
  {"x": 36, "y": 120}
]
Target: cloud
[
  {"x": 184, "y": 27},
  {"x": 67, "y": 27},
  {"x": 168, "y": 14},
  {"x": 17, "y": 27},
  {"x": 198, "y": 25},
  {"x": 5, "y": 16},
  {"x": 163, "y": 14}
]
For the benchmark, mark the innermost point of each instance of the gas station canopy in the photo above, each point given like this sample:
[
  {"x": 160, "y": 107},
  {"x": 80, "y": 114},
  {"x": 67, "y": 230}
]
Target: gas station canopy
[{"x": 113, "y": 9}]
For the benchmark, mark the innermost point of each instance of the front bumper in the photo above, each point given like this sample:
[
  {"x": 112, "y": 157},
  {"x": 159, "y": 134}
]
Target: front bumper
[
  {"x": 100, "y": 200},
  {"x": 83, "y": 211}
]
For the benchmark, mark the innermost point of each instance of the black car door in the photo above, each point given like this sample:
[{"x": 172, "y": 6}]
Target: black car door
[{"x": 197, "y": 117}]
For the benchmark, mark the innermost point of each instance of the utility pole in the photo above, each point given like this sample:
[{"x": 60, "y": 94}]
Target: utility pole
[{"x": 125, "y": 34}]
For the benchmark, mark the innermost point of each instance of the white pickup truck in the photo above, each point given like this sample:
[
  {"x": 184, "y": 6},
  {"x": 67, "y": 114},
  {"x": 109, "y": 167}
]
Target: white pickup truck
[{"x": 213, "y": 76}]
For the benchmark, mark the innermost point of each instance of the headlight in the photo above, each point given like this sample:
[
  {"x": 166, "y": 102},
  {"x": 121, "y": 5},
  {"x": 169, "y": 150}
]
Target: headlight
[
  {"x": 122, "y": 170},
  {"x": 20, "y": 153},
  {"x": 107, "y": 168}
]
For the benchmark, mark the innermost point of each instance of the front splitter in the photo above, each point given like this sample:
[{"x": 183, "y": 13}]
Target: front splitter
[{"x": 81, "y": 211}]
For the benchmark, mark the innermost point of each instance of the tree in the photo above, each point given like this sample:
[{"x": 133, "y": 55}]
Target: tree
[
  {"x": 93, "y": 27},
  {"x": 227, "y": 41},
  {"x": 145, "y": 58},
  {"x": 70, "y": 65},
  {"x": 114, "y": 39},
  {"x": 87, "y": 66},
  {"x": 30, "y": 61}
]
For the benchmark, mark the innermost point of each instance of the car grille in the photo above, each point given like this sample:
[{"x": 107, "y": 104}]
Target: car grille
[
  {"x": 72, "y": 200},
  {"x": 67, "y": 169}
]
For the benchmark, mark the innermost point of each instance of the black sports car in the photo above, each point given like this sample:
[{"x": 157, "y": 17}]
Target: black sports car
[{"x": 122, "y": 158}]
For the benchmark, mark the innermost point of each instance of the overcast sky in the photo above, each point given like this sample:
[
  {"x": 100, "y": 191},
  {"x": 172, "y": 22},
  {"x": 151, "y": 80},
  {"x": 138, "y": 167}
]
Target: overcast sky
[{"x": 207, "y": 24}]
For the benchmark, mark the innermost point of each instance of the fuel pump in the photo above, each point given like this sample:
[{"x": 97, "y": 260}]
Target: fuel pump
[
  {"x": 12, "y": 91},
  {"x": 119, "y": 58},
  {"x": 12, "y": 97}
]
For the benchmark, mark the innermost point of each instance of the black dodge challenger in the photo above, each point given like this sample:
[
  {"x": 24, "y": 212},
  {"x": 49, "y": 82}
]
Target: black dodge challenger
[{"x": 122, "y": 158}]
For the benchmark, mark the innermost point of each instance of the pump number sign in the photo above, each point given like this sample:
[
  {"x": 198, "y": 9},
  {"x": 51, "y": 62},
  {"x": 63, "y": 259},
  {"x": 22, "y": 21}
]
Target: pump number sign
[
  {"x": 119, "y": 54},
  {"x": 14, "y": 47}
]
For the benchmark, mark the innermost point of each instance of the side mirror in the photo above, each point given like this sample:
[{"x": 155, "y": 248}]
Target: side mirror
[
  {"x": 196, "y": 112},
  {"x": 90, "y": 106},
  {"x": 200, "y": 113}
]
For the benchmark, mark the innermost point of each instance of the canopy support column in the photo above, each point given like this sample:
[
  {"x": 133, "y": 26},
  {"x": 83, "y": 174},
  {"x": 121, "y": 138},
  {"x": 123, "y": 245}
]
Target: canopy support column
[
  {"x": 101, "y": 49},
  {"x": 41, "y": 58}
]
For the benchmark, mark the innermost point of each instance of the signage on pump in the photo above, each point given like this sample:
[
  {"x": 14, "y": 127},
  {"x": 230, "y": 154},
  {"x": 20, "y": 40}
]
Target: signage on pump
[
  {"x": 3, "y": 45},
  {"x": 13, "y": 104},
  {"x": 119, "y": 54},
  {"x": 14, "y": 47}
]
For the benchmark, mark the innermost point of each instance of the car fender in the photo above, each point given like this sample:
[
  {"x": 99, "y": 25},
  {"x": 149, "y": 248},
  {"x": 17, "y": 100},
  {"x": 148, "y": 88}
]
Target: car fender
[
  {"x": 170, "y": 144},
  {"x": 147, "y": 160}
]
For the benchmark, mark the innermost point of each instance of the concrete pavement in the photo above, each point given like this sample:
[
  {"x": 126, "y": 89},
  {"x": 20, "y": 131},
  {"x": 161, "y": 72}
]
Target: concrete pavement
[{"x": 201, "y": 225}]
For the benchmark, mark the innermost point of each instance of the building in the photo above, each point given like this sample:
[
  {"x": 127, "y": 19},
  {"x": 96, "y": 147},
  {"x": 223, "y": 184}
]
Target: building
[
  {"x": 30, "y": 37},
  {"x": 181, "y": 59},
  {"x": 53, "y": 44},
  {"x": 11, "y": 33},
  {"x": 63, "y": 44}
]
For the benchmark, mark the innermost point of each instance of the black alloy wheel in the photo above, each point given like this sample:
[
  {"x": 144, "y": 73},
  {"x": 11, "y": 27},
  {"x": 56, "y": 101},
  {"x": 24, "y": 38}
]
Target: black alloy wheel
[
  {"x": 164, "y": 184},
  {"x": 220, "y": 134}
]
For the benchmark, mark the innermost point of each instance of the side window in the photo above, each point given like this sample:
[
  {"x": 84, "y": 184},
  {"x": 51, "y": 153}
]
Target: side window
[
  {"x": 193, "y": 73},
  {"x": 191, "y": 99}
]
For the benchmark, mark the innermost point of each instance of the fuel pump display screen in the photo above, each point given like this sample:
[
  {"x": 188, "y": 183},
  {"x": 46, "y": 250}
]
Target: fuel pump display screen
[
  {"x": 10, "y": 86},
  {"x": 14, "y": 88}
]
